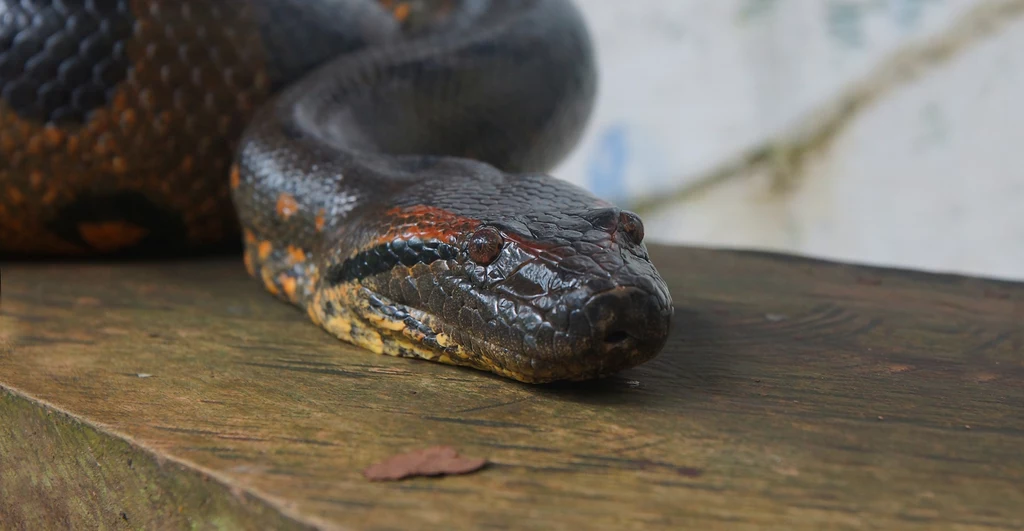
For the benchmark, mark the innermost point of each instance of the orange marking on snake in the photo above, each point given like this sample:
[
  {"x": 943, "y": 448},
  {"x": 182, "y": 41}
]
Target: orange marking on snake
[
  {"x": 264, "y": 250},
  {"x": 104, "y": 144},
  {"x": 119, "y": 165},
  {"x": 51, "y": 195},
  {"x": 402, "y": 12},
  {"x": 35, "y": 145},
  {"x": 128, "y": 119},
  {"x": 250, "y": 238},
  {"x": 53, "y": 136},
  {"x": 7, "y": 143},
  {"x": 297, "y": 255},
  {"x": 36, "y": 179},
  {"x": 73, "y": 144},
  {"x": 286, "y": 206},
  {"x": 120, "y": 101},
  {"x": 15, "y": 195},
  {"x": 247, "y": 260},
  {"x": 268, "y": 282},
  {"x": 319, "y": 221},
  {"x": 111, "y": 235},
  {"x": 236, "y": 176},
  {"x": 427, "y": 223},
  {"x": 288, "y": 284}
]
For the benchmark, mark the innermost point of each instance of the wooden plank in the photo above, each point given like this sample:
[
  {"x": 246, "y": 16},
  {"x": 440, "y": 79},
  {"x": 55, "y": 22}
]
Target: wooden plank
[{"x": 793, "y": 394}]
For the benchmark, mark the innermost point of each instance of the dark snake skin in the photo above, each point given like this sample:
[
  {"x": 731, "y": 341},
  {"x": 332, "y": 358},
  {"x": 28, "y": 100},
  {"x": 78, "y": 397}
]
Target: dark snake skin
[{"x": 383, "y": 163}]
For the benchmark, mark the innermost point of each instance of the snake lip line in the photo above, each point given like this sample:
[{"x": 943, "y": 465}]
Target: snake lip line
[{"x": 616, "y": 351}]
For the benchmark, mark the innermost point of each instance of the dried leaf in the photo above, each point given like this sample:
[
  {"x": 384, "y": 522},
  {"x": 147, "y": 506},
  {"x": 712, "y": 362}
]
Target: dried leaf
[{"x": 434, "y": 461}]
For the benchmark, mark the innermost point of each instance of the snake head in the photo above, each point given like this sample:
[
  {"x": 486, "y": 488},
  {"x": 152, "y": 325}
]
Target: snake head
[
  {"x": 570, "y": 295},
  {"x": 531, "y": 278}
]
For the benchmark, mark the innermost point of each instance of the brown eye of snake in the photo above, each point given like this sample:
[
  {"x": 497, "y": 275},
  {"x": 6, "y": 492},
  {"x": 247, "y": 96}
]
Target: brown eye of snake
[
  {"x": 630, "y": 224},
  {"x": 485, "y": 245}
]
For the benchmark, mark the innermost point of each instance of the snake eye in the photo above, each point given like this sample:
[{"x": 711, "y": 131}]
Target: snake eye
[
  {"x": 485, "y": 245},
  {"x": 630, "y": 224}
]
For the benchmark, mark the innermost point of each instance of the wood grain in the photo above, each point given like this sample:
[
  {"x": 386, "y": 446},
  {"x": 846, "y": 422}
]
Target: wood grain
[{"x": 794, "y": 394}]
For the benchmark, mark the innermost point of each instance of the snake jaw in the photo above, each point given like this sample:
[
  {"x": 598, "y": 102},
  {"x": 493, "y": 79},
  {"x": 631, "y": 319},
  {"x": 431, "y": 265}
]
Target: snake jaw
[{"x": 360, "y": 316}]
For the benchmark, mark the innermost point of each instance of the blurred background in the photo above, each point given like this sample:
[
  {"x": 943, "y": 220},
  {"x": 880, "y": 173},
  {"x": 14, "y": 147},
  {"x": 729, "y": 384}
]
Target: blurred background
[{"x": 884, "y": 132}]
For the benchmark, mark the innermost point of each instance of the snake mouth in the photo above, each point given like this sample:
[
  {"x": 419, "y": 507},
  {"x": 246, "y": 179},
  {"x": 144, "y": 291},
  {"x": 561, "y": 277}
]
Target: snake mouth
[{"x": 617, "y": 336}]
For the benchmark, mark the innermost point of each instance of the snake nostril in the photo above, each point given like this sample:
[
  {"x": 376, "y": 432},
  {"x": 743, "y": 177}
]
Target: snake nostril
[
  {"x": 626, "y": 319},
  {"x": 631, "y": 224}
]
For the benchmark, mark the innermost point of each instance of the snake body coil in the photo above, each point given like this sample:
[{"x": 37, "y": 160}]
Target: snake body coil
[{"x": 384, "y": 162}]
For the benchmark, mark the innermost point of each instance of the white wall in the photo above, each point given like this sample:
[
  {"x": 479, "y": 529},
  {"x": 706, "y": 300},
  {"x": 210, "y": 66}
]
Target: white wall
[{"x": 878, "y": 131}]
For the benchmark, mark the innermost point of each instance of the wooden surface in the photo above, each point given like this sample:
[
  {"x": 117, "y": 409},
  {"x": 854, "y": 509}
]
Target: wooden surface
[{"x": 793, "y": 395}]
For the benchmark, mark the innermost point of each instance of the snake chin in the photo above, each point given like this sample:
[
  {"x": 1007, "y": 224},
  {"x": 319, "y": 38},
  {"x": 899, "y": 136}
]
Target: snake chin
[
  {"x": 621, "y": 340},
  {"x": 365, "y": 318}
]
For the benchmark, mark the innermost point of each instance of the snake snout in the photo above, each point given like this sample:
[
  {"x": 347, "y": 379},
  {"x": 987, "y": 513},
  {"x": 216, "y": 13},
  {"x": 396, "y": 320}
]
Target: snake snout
[{"x": 628, "y": 326}]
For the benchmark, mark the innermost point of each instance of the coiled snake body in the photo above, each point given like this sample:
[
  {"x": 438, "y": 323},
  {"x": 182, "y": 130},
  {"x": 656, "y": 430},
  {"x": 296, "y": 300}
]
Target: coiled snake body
[{"x": 382, "y": 161}]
